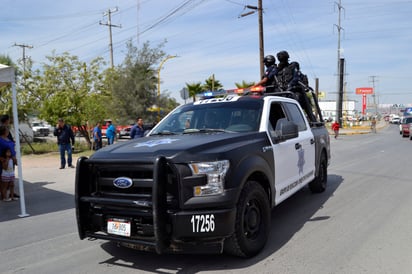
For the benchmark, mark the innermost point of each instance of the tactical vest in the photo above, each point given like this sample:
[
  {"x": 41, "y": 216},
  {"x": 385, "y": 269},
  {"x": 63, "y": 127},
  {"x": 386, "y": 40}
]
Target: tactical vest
[{"x": 285, "y": 76}]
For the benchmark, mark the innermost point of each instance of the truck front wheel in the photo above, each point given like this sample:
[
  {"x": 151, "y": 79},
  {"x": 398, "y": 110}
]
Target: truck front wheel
[
  {"x": 252, "y": 222},
  {"x": 318, "y": 184}
]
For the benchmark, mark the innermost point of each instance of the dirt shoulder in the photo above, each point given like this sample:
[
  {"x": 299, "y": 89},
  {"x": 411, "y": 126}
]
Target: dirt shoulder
[{"x": 44, "y": 160}]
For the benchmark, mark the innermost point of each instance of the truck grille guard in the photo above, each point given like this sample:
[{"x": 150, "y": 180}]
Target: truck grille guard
[{"x": 96, "y": 201}]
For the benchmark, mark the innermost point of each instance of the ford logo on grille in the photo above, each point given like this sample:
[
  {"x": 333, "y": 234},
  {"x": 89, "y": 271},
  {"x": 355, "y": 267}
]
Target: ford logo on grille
[{"x": 122, "y": 182}]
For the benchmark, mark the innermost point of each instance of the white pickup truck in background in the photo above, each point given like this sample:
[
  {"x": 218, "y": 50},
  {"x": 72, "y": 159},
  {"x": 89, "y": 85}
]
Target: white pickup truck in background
[{"x": 40, "y": 129}]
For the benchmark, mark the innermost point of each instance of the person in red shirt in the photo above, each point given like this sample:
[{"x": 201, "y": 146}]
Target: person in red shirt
[{"x": 335, "y": 128}]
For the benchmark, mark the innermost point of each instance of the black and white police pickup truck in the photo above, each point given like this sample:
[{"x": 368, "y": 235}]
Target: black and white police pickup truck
[{"x": 205, "y": 178}]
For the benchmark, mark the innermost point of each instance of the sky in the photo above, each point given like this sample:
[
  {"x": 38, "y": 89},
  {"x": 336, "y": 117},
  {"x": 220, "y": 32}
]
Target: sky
[{"x": 210, "y": 38}]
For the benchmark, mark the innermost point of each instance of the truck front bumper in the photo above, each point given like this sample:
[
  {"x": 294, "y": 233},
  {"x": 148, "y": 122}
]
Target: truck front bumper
[
  {"x": 150, "y": 222},
  {"x": 181, "y": 232}
]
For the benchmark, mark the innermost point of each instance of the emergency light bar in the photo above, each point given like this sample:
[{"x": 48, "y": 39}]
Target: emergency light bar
[{"x": 239, "y": 91}]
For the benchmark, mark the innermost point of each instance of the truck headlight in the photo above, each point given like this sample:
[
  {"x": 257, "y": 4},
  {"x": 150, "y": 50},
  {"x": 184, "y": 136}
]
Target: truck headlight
[{"x": 215, "y": 172}]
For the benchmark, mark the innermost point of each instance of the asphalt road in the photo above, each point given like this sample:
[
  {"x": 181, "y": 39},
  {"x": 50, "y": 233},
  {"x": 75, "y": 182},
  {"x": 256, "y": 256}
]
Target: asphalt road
[{"x": 361, "y": 224}]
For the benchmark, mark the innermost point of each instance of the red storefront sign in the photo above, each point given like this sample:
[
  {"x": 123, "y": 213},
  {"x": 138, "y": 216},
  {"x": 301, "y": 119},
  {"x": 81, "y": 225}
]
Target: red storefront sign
[{"x": 363, "y": 92}]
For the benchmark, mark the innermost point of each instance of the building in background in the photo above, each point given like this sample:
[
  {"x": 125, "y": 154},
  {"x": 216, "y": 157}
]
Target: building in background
[{"x": 328, "y": 108}]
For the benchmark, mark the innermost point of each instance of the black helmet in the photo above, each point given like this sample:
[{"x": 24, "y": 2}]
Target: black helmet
[
  {"x": 269, "y": 60},
  {"x": 283, "y": 56}
]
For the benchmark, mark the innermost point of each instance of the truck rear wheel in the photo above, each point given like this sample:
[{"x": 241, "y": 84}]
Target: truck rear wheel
[
  {"x": 318, "y": 184},
  {"x": 252, "y": 222}
]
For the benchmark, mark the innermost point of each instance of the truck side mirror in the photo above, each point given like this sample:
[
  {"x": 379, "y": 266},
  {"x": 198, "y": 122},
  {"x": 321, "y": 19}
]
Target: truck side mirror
[{"x": 285, "y": 130}]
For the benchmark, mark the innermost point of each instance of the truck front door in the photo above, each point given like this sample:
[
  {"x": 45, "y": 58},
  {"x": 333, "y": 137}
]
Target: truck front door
[{"x": 293, "y": 158}]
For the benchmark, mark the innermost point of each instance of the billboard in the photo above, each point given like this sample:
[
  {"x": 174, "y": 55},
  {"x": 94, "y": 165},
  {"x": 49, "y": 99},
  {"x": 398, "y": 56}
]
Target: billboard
[{"x": 364, "y": 90}]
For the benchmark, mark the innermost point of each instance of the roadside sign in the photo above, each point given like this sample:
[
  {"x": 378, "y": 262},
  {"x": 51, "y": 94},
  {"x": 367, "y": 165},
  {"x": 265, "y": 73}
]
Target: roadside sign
[
  {"x": 322, "y": 95},
  {"x": 184, "y": 93},
  {"x": 364, "y": 90}
]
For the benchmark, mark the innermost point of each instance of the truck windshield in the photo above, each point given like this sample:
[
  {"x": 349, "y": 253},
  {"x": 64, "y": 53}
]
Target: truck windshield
[{"x": 237, "y": 116}]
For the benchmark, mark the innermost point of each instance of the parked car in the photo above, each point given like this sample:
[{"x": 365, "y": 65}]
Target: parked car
[
  {"x": 124, "y": 131},
  {"x": 406, "y": 121},
  {"x": 40, "y": 129},
  {"x": 395, "y": 120}
]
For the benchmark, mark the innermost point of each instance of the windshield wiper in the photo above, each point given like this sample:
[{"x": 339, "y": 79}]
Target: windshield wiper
[
  {"x": 166, "y": 132},
  {"x": 203, "y": 130}
]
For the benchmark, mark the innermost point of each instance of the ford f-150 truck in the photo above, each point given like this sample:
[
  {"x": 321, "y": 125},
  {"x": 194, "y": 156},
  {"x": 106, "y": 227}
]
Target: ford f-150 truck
[{"x": 205, "y": 178}]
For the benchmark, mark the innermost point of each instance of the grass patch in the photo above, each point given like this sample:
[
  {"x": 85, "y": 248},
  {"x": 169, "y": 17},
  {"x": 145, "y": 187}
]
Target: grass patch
[{"x": 48, "y": 147}]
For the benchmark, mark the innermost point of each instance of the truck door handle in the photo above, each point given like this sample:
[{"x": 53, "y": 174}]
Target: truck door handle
[
  {"x": 312, "y": 141},
  {"x": 298, "y": 146}
]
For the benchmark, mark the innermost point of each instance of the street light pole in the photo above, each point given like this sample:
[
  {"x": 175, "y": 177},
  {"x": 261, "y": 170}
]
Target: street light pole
[{"x": 158, "y": 82}]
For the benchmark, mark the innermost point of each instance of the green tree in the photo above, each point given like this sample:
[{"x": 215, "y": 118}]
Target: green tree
[
  {"x": 244, "y": 84},
  {"x": 72, "y": 89},
  {"x": 212, "y": 84},
  {"x": 135, "y": 89},
  {"x": 194, "y": 88}
]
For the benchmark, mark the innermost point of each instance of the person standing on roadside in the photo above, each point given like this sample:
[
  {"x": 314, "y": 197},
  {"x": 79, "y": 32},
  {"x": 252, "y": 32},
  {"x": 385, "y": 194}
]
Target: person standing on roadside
[
  {"x": 5, "y": 120},
  {"x": 97, "y": 136},
  {"x": 137, "y": 130},
  {"x": 6, "y": 145},
  {"x": 65, "y": 140},
  {"x": 7, "y": 175},
  {"x": 335, "y": 128},
  {"x": 373, "y": 125},
  {"x": 110, "y": 133}
]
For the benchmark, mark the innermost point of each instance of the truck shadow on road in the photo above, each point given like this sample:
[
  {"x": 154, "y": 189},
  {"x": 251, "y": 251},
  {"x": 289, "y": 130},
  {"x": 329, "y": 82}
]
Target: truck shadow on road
[
  {"x": 38, "y": 200},
  {"x": 287, "y": 219}
]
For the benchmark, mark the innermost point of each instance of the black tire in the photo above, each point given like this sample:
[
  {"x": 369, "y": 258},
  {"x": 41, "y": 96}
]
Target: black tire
[
  {"x": 252, "y": 222},
  {"x": 318, "y": 184}
]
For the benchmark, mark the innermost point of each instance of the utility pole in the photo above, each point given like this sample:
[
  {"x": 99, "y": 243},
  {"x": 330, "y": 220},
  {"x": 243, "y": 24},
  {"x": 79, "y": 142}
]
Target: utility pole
[
  {"x": 24, "y": 58},
  {"x": 261, "y": 46},
  {"x": 339, "y": 70},
  {"x": 259, "y": 9},
  {"x": 110, "y": 25},
  {"x": 23, "y": 46},
  {"x": 373, "y": 80}
]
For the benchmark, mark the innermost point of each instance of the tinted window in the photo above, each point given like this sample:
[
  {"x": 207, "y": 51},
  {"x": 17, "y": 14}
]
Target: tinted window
[
  {"x": 296, "y": 116},
  {"x": 276, "y": 113}
]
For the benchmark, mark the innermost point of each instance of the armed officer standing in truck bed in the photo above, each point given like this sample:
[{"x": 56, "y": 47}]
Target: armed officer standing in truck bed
[
  {"x": 290, "y": 79},
  {"x": 269, "y": 79}
]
